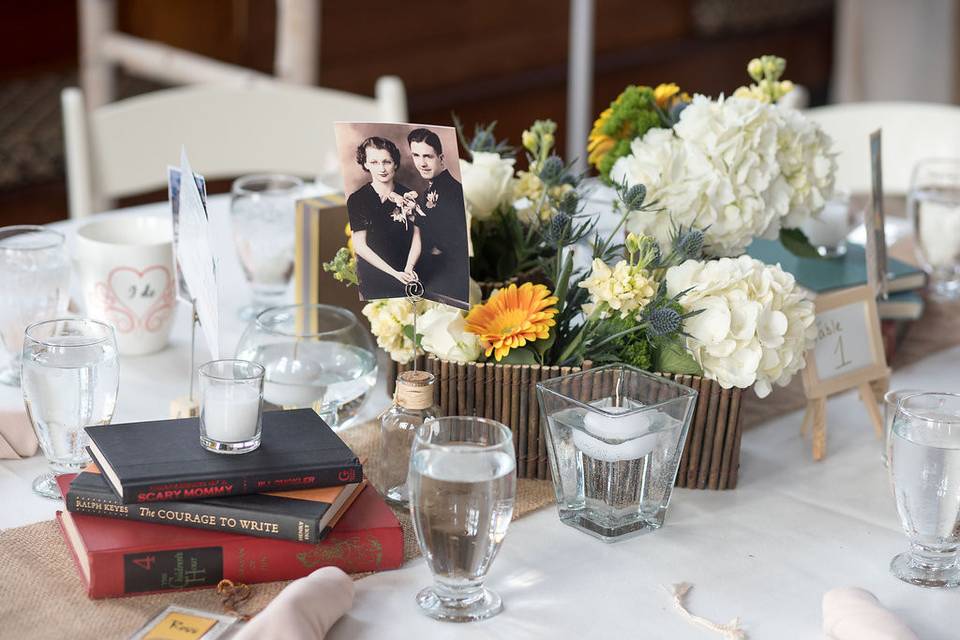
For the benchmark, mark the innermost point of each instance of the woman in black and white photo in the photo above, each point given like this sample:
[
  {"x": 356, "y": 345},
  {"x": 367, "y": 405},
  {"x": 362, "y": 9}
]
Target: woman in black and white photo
[{"x": 386, "y": 237}]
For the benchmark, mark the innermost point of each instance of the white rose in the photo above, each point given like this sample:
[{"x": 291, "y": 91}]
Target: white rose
[
  {"x": 445, "y": 335},
  {"x": 486, "y": 182}
]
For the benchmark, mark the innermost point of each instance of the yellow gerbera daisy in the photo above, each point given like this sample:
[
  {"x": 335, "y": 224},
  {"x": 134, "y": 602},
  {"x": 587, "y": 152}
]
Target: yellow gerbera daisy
[
  {"x": 598, "y": 143},
  {"x": 512, "y": 317}
]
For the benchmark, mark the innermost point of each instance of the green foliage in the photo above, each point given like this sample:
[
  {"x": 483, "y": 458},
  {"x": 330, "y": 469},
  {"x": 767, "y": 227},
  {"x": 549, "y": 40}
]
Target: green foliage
[
  {"x": 633, "y": 113},
  {"x": 343, "y": 267},
  {"x": 673, "y": 357},
  {"x": 795, "y": 241}
]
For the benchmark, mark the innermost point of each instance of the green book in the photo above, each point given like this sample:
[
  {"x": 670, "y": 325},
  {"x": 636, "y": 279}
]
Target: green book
[{"x": 826, "y": 274}]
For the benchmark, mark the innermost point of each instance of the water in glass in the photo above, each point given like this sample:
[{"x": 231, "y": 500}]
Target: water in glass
[
  {"x": 925, "y": 472},
  {"x": 34, "y": 277},
  {"x": 933, "y": 204},
  {"x": 68, "y": 384},
  {"x": 462, "y": 484},
  {"x": 335, "y": 375}
]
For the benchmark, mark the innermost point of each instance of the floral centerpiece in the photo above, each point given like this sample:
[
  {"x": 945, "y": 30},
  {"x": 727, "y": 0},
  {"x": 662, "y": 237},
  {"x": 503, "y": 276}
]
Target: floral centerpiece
[{"x": 666, "y": 290}]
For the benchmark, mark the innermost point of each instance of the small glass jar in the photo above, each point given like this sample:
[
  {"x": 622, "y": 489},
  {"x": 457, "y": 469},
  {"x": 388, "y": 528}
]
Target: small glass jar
[
  {"x": 412, "y": 406},
  {"x": 231, "y": 405}
]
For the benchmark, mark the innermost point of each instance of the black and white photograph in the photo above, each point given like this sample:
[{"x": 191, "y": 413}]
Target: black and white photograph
[{"x": 407, "y": 215}]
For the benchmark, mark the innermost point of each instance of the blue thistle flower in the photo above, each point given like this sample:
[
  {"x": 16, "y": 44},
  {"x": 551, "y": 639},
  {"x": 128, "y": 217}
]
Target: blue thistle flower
[
  {"x": 690, "y": 244},
  {"x": 634, "y": 197},
  {"x": 552, "y": 171},
  {"x": 664, "y": 321}
]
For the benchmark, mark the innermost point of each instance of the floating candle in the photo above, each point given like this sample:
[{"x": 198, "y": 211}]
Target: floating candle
[{"x": 633, "y": 429}]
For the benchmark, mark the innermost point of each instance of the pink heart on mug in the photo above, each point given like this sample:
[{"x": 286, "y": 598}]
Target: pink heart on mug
[{"x": 137, "y": 299}]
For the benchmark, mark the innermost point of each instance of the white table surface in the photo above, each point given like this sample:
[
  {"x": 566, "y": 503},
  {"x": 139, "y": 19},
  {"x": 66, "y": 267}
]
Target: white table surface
[{"x": 766, "y": 551}]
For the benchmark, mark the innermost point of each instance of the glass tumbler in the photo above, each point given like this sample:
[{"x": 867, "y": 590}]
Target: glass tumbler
[
  {"x": 262, "y": 212},
  {"x": 933, "y": 204},
  {"x": 231, "y": 405},
  {"x": 315, "y": 355},
  {"x": 34, "y": 278},
  {"x": 828, "y": 231},
  {"x": 925, "y": 473},
  {"x": 614, "y": 439},
  {"x": 71, "y": 373},
  {"x": 462, "y": 484}
]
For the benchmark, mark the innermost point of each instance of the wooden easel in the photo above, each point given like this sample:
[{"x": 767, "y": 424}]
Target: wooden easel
[{"x": 849, "y": 312}]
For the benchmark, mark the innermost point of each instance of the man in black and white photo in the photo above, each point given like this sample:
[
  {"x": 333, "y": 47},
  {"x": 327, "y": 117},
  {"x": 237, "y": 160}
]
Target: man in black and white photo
[{"x": 443, "y": 266}]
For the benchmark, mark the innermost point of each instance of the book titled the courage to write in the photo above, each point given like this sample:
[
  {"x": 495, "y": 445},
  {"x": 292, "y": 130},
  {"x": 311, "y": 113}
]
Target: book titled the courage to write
[{"x": 164, "y": 461}]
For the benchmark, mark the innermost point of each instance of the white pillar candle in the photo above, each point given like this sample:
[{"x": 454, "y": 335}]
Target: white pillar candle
[{"x": 231, "y": 413}]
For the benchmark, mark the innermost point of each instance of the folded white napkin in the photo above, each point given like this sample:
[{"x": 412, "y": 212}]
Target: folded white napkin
[
  {"x": 17, "y": 439},
  {"x": 304, "y": 610},
  {"x": 850, "y": 613}
]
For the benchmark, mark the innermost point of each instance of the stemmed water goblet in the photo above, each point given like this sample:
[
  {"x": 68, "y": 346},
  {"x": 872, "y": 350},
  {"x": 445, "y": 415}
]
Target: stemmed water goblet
[
  {"x": 70, "y": 375},
  {"x": 34, "y": 276},
  {"x": 924, "y": 458},
  {"x": 462, "y": 484}
]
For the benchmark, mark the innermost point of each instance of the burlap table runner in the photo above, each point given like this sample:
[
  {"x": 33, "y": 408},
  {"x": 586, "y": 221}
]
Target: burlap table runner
[{"x": 41, "y": 594}]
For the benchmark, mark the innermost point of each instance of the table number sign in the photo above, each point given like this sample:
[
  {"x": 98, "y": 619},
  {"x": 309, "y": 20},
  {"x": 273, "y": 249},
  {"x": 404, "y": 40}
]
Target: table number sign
[{"x": 848, "y": 353}]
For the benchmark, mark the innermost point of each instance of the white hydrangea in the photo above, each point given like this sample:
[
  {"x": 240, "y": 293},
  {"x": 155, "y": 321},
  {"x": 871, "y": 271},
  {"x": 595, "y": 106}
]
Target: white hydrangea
[
  {"x": 808, "y": 165},
  {"x": 623, "y": 290},
  {"x": 735, "y": 167},
  {"x": 755, "y": 325}
]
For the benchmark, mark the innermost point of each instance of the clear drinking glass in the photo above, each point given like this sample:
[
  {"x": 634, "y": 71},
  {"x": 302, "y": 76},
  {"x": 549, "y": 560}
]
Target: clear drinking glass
[
  {"x": 933, "y": 204},
  {"x": 614, "y": 439},
  {"x": 828, "y": 231},
  {"x": 34, "y": 278},
  {"x": 891, "y": 400},
  {"x": 231, "y": 405},
  {"x": 462, "y": 486},
  {"x": 315, "y": 356},
  {"x": 70, "y": 377},
  {"x": 263, "y": 213},
  {"x": 925, "y": 472}
]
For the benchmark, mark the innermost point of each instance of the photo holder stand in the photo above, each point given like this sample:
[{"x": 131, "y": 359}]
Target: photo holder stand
[
  {"x": 189, "y": 406},
  {"x": 414, "y": 296},
  {"x": 848, "y": 354}
]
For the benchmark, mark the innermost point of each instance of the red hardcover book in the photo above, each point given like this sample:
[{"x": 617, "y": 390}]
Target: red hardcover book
[{"x": 119, "y": 558}]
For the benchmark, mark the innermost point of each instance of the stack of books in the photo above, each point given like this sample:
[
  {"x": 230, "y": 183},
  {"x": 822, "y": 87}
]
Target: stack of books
[
  {"x": 822, "y": 275},
  {"x": 157, "y": 512}
]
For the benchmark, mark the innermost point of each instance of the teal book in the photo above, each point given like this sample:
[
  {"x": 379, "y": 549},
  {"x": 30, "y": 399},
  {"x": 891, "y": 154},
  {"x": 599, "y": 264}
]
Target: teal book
[
  {"x": 820, "y": 275},
  {"x": 902, "y": 305}
]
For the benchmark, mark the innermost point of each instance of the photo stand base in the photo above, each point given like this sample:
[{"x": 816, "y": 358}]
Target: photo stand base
[{"x": 184, "y": 408}]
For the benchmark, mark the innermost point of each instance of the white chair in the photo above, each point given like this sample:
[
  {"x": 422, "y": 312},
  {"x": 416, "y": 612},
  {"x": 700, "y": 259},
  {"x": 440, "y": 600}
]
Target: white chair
[
  {"x": 123, "y": 148},
  {"x": 911, "y": 131}
]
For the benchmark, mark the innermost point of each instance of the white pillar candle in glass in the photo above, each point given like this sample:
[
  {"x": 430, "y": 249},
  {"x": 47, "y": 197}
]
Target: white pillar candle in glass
[
  {"x": 828, "y": 231},
  {"x": 231, "y": 395}
]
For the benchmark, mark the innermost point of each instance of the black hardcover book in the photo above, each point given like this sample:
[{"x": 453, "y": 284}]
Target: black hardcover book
[
  {"x": 164, "y": 461},
  {"x": 304, "y": 515}
]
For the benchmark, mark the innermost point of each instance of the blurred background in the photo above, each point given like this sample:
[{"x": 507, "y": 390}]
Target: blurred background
[{"x": 485, "y": 60}]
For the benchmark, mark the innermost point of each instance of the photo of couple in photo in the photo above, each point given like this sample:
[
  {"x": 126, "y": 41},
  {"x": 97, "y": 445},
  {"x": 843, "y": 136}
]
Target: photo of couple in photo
[{"x": 406, "y": 210}]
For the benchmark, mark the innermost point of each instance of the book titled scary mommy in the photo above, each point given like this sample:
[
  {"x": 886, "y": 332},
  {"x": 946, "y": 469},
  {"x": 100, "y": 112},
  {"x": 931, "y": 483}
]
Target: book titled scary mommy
[{"x": 163, "y": 461}]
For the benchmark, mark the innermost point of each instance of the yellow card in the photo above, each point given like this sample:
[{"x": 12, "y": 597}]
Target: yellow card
[{"x": 180, "y": 626}]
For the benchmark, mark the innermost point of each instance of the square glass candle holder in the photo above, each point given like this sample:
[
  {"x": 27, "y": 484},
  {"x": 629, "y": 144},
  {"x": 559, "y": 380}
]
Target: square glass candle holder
[
  {"x": 231, "y": 405},
  {"x": 614, "y": 439}
]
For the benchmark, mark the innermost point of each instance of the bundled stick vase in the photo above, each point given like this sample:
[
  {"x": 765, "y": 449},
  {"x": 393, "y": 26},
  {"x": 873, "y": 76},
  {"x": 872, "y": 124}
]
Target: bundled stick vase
[{"x": 508, "y": 393}]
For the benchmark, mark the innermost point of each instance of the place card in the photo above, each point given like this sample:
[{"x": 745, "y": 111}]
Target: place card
[{"x": 185, "y": 623}]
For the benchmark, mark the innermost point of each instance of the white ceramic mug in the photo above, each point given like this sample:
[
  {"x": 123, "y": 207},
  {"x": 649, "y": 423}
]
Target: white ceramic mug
[{"x": 125, "y": 264}]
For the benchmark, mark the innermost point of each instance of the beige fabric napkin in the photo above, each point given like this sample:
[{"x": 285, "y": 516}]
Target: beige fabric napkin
[
  {"x": 17, "y": 439},
  {"x": 304, "y": 610},
  {"x": 850, "y": 613}
]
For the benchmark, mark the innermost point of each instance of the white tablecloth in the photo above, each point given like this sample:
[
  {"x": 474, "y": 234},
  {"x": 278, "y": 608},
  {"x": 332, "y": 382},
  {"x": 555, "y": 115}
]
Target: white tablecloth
[{"x": 766, "y": 551}]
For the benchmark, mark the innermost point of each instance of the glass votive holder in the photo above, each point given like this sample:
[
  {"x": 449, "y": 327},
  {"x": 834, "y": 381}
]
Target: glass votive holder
[
  {"x": 891, "y": 399},
  {"x": 231, "y": 405},
  {"x": 828, "y": 231},
  {"x": 614, "y": 439}
]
